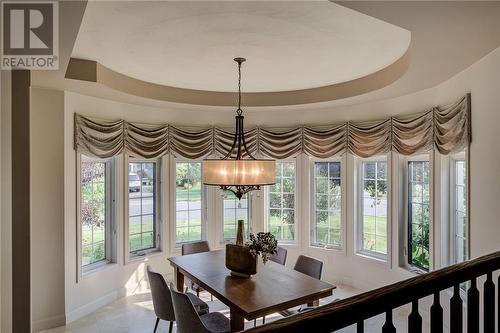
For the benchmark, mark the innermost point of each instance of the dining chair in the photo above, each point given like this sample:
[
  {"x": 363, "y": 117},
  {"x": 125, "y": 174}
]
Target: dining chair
[
  {"x": 280, "y": 256},
  {"x": 189, "y": 321},
  {"x": 309, "y": 266},
  {"x": 191, "y": 248},
  {"x": 162, "y": 301}
]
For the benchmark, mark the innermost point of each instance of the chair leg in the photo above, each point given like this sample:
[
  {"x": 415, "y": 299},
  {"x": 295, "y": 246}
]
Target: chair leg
[
  {"x": 254, "y": 322},
  {"x": 156, "y": 324},
  {"x": 263, "y": 320},
  {"x": 170, "y": 327},
  {"x": 211, "y": 298},
  {"x": 197, "y": 292}
]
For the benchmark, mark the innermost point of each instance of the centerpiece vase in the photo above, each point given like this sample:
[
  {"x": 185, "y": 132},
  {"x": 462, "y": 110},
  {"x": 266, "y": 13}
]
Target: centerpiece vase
[{"x": 239, "y": 260}]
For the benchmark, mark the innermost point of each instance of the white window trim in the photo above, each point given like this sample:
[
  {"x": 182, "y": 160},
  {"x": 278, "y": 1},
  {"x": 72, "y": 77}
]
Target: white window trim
[
  {"x": 296, "y": 202},
  {"x": 312, "y": 191},
  {"x": 141, "y": 254},
  {"x": 358, "y": 233},
  {"x": 429, "y": 158},
  {"x": 110, "y": 231},
  {"x": 462, "y": 156},
  {"x": 175, "y": 246}
]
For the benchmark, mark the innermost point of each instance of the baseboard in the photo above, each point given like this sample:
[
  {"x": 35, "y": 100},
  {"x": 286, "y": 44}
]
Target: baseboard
[
  {"x": 49, "y": 322},
  {"x": 95, "y": 305}
]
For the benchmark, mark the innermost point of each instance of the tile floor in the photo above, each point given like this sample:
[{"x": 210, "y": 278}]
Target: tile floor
[{"x": 134, "y": 314}]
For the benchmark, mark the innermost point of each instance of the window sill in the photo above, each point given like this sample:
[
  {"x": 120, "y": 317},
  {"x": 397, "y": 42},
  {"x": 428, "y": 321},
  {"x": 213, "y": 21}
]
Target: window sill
[
  {"x": 288, "y": 244},
  {"x": 415, "y": 270},
  {"x": 147, "y": 255},
  {"x": 373, "y": 257},
  {"x": 339, "y": 249},
  {"x": 89, "y": 271}
]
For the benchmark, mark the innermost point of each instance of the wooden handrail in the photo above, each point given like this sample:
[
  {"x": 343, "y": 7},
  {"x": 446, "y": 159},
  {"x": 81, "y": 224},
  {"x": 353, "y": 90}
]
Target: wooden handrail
[{"x": 355, "y": 309}]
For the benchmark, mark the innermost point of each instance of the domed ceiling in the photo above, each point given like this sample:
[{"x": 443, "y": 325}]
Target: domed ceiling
[{"x": 289, "y": 46}]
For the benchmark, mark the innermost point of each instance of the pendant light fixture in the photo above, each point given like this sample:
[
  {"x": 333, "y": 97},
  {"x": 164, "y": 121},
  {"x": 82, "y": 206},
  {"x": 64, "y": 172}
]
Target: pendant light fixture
[{"x": 238, "y": 171}]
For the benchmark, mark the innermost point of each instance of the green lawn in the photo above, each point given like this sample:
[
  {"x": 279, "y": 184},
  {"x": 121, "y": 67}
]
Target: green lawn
[{"x": 375, "y": 234}]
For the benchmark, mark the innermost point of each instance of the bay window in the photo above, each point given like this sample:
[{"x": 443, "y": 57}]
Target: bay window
[
  {"x": 189, "y": 202},
  {"x": 327, "y": 205},
  {"x": 281, "y": 201},
  {"x": 418, "y": 213},
  {"x": 234, "y": 210},
  {"x": 459, "y": 209},
  {"x": 373, "y": 211},
  {"x": 143, "y": 206},
  {"x": 95, "y": 211}
]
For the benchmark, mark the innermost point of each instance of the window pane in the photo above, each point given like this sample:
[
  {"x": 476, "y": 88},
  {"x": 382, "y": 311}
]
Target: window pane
[
  {"x": 460, "y": 213},
  {"x": 142, "y": 193},
  {"x": 93, "y": 209},
  {"x": 374, "y": 207},
  {"x": 234, "y": 210},
  {"x": 188, "y": 202},
  {"x": 327, "y": 204},
  {"x": 418, "y": 213},
  {"x": 282, "y": 203}
]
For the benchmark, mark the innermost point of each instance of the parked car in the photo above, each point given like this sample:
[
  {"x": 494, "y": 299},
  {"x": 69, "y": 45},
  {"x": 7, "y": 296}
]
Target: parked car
[
  {"x": 134, "y": 183},
  {"x": 147, "y": 181}
]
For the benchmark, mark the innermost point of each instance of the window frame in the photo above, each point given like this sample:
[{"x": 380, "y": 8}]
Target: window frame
[
  {"x": 386, "y": 258},
  {"x": 158, "y": 209},
  {"x": 220, "y": 214},
  {"x": 267, "y": 193},
  {"x": 110, "y": 227},
  {"x": 462, "y": 157},
  {"x": 312, "y": 202},
  {"x": 419, "y": 158},
  {"x": 173, "y": 202}
]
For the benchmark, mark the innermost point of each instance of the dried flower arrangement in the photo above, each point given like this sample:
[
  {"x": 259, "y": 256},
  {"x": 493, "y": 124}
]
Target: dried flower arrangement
[{"x": 263, "y": 244}]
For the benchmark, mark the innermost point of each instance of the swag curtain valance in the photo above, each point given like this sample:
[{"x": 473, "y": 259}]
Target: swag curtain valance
[{"x": 445, "y": 129}]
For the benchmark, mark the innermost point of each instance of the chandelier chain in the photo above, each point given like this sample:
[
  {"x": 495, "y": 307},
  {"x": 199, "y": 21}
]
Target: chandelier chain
[{"x": 239, "y": 111}]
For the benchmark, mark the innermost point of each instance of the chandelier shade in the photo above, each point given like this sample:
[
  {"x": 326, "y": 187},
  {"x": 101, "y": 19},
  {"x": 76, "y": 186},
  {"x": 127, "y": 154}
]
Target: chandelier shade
[
  {"x": 239, "y": 172},
  {"x": 244, "y": 173}
]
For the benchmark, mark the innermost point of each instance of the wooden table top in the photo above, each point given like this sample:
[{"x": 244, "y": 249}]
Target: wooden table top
[{"x": 274, "y": 287}]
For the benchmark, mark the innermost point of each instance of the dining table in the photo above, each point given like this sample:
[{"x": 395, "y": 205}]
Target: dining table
[{"x": 274, "y": 288}]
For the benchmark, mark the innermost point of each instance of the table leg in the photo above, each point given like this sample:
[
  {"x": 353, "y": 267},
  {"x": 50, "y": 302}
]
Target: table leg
[
  {"x": 237, "y": 321},
  {"x": 179, "y": 278}
]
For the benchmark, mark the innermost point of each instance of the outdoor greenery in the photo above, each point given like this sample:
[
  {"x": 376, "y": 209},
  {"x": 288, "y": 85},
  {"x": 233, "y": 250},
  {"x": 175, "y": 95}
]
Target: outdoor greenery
[
  {"x": 328, "y": 199},
  {"x": 419, "y": 213},
  {"x": 374, "y": 207},
  {"x": 187, "y": 173},
  {"x": 282, "y": 202},
  {"x": 93, "y": 211}
]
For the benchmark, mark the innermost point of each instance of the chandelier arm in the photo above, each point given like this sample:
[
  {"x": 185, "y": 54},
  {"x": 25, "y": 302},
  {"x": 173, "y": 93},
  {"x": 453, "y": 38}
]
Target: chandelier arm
[
  {"x": 245, "y": 145},
  {"x": 239, "y": 133},
  {"x": 228, "y": 155}
]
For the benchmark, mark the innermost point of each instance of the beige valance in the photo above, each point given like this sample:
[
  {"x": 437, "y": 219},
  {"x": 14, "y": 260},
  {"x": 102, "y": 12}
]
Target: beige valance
[{"x": 447, "y": 129}]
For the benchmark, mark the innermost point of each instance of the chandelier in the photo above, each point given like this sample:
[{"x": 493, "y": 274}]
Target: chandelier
[{"x": 243, "y": 172}]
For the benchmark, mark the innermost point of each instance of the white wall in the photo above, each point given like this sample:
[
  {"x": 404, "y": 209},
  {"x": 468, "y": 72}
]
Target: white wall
[
  {"x": 94, "y": 290},
  {"x": 47, "y": 208}
]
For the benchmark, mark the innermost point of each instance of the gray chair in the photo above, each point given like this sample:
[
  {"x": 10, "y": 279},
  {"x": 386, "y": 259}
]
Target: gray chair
[
  {"x": 313, "y": 268},
  {"x": 280, "y": 256},
  {"x": 162, "y": 301},
  {"x": 309, "y": 266},
  {"x": 189, "y": 321},
  {"x": 191, "y": 248}
]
